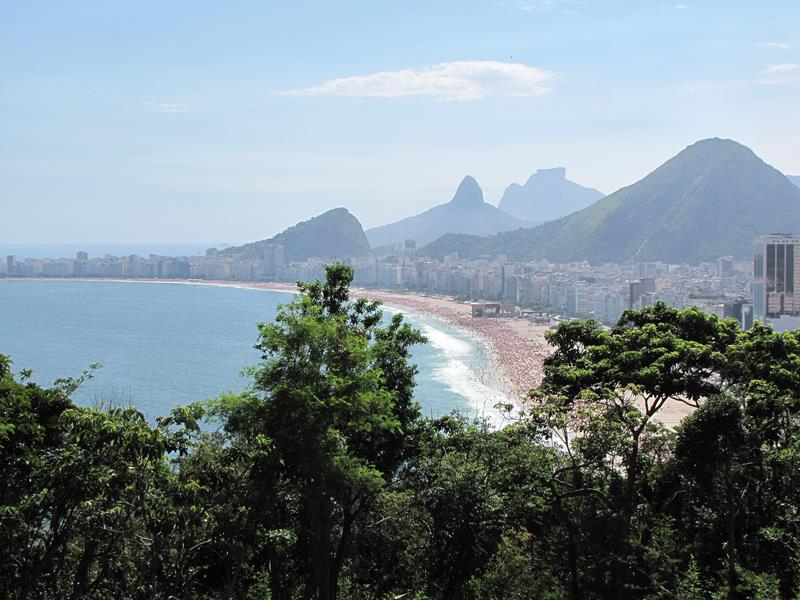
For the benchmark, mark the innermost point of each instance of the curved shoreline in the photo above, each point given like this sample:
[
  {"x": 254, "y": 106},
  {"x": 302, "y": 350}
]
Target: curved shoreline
[{"x": 515, "y": 348}]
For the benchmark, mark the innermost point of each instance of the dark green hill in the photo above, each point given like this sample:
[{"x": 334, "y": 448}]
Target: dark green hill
[
  {"x": 333, "y": 234},
  {"x": 710, "y": 200}
]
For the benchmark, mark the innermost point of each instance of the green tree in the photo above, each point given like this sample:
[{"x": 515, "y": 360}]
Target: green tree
[
  {"x": 601, "y": 396},
  {"x": 333, "y": 399}
]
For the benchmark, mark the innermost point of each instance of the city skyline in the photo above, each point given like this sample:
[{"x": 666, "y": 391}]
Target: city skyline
[{"x": 184, "y": 123}]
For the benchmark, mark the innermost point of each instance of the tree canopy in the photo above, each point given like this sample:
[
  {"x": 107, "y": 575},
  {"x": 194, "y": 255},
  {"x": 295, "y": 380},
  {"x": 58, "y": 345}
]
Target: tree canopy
[{"x": 323, "y": 480}]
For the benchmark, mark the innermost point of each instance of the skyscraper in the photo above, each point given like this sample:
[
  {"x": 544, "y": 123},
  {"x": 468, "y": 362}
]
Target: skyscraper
[
  {"x": 274, "y": 259},
  {"x": 776, "y": 273}
]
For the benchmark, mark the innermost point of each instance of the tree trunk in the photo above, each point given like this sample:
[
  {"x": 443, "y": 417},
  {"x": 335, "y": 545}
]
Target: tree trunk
[
  {"x": 82, "y": 572},
  {"x": 341, "y": 549},
  {"x": 572, "y": 557},
  {"x": 632, "y": 473},
  {"x": 572, "y": 550},
  {"x": 731, "y": 518},
  {"x": 319, "y": 522}
]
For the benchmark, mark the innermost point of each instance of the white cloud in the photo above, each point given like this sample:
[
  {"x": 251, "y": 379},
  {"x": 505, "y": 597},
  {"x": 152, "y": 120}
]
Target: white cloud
[
  {"x": 530, "y": 5},
  {"x": 784, "y": 68},
  {"x": 165, "y": 107},
  {"x": 460, "y": 80},
  {"x": 782, "y": 74},
  {"x": 776, "y": 45},
  {"x": 543, "y": 5}
]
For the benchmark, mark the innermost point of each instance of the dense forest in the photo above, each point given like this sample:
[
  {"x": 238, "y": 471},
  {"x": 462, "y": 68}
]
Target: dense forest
[{"x": 323, "y": 480}]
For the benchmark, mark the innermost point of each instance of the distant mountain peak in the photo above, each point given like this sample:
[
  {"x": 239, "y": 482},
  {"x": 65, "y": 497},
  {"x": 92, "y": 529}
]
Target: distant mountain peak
[
  {"x": 719, "y": 147},
  {"x": 547, "y": 195},
  {"x": 556, "y": 173},
  {"x": 468, "y": 193},
  {"x": 467, "y": 212},
  {"x": 719, "y": 142},
  {"x": 335, "y": 233},
  {"x": 705, "y": 202}
]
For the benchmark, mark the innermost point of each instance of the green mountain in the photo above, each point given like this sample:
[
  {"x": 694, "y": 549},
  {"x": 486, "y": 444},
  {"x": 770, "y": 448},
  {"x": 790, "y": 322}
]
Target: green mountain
[
  {"x": 547, "y": 195},
  {"x": 465, "y": 213},
  {"x": 710, "y": 200},
  {"x": 333, "y": 234}
]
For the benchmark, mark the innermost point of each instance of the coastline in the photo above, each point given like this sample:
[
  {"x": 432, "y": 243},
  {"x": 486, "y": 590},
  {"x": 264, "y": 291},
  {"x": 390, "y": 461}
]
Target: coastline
[{"x": 515, "y": 348}]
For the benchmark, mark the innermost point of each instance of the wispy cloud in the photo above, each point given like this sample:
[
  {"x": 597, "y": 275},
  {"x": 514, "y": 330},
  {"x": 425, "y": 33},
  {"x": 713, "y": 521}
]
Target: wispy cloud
[
  {"x": 783, "y": 68},
  {"x": 775, "y": 45},
  {"x": 545, "y": 5},
  {"x": 779, "y": 74},
  {"x": 460, "y": 80},
  {"x": 166, "y": 107}
]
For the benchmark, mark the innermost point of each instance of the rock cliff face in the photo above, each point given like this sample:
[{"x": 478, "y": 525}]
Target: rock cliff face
[{"x": 547, "y": 195}]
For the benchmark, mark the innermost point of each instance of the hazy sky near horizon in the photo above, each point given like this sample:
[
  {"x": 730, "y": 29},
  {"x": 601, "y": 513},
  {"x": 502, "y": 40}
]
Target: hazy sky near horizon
[{"x": 180, "y": 121}]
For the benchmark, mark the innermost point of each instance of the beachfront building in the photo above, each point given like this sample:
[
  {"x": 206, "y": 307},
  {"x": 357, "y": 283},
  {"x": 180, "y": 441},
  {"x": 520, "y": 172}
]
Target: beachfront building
[
  {"x": 575, "y": 289},
  {"x": 776, "y": 273}
]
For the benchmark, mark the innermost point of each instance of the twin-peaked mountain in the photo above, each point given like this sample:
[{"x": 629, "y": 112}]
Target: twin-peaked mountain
[
  {"x": 333, "y": 234},
  {"x": 547, "y": 195},
  {"x": 708, "y": 201},
  {"x": 338, "y": 234},
  {"x": 465, "y": 213}
]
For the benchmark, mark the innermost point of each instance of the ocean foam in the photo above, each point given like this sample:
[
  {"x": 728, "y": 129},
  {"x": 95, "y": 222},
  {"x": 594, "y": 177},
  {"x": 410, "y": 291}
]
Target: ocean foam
[{"x": 460, "y": 371}]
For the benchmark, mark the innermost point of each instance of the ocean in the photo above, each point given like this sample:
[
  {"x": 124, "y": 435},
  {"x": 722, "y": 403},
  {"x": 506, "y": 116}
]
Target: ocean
[{"x": 164, "y": 345}]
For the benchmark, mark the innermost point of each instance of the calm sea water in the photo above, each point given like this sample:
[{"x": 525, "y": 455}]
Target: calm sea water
[{"x": 164, "y": 345}]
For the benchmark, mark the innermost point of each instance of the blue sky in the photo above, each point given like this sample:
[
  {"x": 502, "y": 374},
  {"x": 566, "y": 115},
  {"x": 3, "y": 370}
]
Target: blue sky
[{"x": 178, "y": 121}]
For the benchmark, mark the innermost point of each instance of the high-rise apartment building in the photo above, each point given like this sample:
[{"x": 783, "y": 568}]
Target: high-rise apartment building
[
  {"x": 274, "y": 259},
  {"x": 637, "y": 289},
  {"x": 776, "y": 276}
]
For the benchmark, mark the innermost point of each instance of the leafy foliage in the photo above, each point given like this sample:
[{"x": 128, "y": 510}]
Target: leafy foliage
[{"x": 323, "y": 480}]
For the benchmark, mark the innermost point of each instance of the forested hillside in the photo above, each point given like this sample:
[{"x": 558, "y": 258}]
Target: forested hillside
[
  {"x": 333, "y": 234},
  {"x": 709, "y": 200}
]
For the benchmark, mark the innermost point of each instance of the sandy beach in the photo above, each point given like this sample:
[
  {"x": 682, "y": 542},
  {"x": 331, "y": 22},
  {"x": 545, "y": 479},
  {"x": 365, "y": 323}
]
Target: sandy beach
[{"x": 516, "y": 347}]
